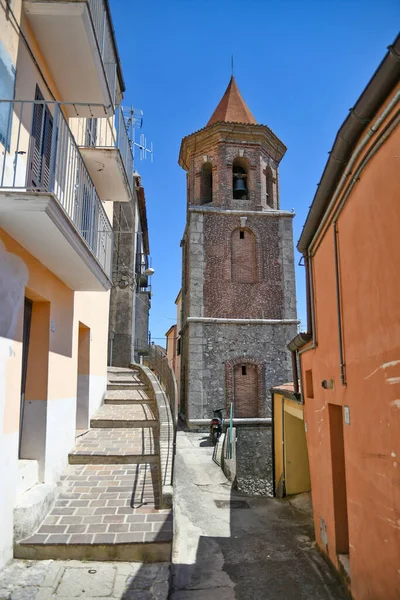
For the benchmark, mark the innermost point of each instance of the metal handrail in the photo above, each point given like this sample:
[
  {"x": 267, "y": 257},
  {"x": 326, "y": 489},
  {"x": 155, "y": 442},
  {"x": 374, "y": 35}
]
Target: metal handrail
[
  {"x": 105, "y": 132},
  {"x": 158, "y": 362},
  {"x": 41, "y": 155},
  {"x": 104, "y": 34}
]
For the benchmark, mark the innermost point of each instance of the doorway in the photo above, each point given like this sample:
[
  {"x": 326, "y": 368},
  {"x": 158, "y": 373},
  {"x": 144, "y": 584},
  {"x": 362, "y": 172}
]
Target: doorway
[
  {"x": 245, "y": 394},
  {"x": 339, "y": 481},
  {"x": 83, "y": 384},
  {"x": 26, "y": 334}
]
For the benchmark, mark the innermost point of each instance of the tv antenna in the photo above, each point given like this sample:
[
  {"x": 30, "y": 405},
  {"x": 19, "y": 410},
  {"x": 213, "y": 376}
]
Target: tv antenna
[{"x": 134, "y": 120}]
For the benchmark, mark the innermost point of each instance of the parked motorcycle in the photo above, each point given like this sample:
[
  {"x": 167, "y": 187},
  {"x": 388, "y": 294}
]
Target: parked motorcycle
[{"x": 216, "y": 425}]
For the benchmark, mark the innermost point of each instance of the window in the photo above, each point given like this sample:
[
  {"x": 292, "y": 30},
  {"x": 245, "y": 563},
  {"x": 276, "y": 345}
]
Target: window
[
  {"x": 269, "y": 187},
  {"x": 240, "y": 181},
  {"x": 243, "y": 369},
  {"x": 206, "y": 184},
  {"x": 243, "y": 256},
  {"x": 178, "y": 346},
  {"x": 309, "y": 384}
]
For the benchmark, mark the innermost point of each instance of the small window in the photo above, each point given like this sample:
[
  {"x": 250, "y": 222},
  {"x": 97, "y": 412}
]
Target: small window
[
  {"x": 309, "y": 384},
  {"x": 178, "y": 346},
  {"x": 243, "y": 369},
  {"x": 242, "y": 235}
]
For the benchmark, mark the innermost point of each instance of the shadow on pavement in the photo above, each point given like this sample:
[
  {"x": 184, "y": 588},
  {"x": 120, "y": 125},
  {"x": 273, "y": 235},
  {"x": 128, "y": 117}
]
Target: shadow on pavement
[{"x": 262, "y": 548}]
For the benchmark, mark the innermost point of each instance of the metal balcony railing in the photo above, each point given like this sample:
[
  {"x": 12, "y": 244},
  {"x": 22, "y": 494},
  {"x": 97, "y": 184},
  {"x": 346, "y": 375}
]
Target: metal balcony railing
[
  {"x": 107, "y": 132},
  {"x": 40, "y": 154},
  {"x": 104, "y": 35}
]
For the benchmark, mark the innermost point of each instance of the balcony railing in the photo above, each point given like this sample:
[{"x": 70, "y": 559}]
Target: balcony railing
[
  {"x": 107, "y": 132},
  {"x": 104, "y": 35},
  {"x": 40, "y": 154}
]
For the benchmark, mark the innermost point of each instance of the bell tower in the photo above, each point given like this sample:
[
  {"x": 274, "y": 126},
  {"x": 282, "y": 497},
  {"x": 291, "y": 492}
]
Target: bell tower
[{"x": 238, "y": 285}]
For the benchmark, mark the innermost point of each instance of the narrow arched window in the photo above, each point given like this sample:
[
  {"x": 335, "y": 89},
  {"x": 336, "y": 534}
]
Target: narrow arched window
[
  {"x": 240, "y": 179},
  {"x": 243, "y": 256},
  {"x": 269, "y": 187},
  {"x": 245, "y": 390},
  {"x": 206, "y": 184}
]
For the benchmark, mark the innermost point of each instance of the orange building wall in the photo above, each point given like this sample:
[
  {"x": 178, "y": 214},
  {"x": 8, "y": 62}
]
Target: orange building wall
[{"x": 369, "y": 258}]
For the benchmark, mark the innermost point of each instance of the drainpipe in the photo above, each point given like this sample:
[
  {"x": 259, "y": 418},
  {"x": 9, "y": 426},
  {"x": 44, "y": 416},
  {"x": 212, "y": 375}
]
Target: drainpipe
[
  {"x": 295, "y": 372},
  {"x": 338, "y": 302}
]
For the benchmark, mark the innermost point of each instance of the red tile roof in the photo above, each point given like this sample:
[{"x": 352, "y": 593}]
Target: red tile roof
[{"x": 232, "y": 108}]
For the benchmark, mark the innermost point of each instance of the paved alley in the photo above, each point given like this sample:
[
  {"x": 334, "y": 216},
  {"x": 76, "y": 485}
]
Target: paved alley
[{"x": 226, "y": 551}]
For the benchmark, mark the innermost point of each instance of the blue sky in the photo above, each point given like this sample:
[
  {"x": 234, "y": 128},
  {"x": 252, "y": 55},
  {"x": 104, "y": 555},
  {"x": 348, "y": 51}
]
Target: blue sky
[{"x": 300, "y": 66}]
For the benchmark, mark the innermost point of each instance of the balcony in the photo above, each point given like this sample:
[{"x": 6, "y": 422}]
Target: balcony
[
  {"x": 107, "y": 152},
  {"x": 48, "y": 201},
  {"x": 77, "y": 43}
]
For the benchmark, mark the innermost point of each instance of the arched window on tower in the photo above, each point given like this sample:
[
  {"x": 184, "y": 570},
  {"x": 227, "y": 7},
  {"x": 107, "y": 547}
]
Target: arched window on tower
[
  {"x": 243, "y": 256},
  {"x": 240, "y": 179},
  {"x": 245, "y": 390},
  {"x": 269, "y": 187},
  {"x": 206, "y": 184}
]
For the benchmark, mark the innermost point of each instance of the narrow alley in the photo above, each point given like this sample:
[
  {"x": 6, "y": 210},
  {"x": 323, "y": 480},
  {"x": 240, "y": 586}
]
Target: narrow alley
[{"x": 233, "y": 547}]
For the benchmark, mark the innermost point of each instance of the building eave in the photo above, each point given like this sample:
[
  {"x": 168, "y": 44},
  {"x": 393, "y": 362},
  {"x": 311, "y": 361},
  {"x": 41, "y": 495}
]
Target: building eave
[{"x": 241, "y": 130}]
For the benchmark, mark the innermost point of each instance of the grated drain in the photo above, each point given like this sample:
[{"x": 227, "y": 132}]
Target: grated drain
[{"x": 232, "y": 504}]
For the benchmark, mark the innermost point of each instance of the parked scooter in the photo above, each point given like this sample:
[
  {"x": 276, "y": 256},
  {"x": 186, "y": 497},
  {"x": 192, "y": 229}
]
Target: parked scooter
[{"x": 216, "y": 425}]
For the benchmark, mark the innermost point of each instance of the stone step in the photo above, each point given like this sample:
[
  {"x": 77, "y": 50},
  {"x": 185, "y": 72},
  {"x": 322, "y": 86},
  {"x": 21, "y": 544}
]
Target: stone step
[
  {"x": 104, "y": 512},
  {"x": 112, "y": 385},
  {"x": 127, "y": 396},
  {"x": 115, "y": 446},
  {"x": 129, "y": 415}
]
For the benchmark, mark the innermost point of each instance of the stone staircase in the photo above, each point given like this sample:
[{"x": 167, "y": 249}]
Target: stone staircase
[{"x": 109, "y": 504}]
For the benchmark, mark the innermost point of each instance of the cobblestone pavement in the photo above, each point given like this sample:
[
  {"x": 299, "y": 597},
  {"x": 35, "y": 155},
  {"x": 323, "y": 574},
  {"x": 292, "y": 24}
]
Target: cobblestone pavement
[
  {"x": 113, "y": 442},
  {"x": 47, "y": 579}
]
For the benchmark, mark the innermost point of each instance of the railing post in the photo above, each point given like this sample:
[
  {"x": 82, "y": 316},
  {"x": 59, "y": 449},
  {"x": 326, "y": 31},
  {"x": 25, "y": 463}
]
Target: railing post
[
  {"x": 231, "y": 431},
  {"x": 53, "y": 154}
]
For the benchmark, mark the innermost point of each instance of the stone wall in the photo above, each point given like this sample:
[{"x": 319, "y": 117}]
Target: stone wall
[
  {"x": 211, "y": 346},
  {"x": 121, "y": 323},
  {"x": 254, "y": 470}
]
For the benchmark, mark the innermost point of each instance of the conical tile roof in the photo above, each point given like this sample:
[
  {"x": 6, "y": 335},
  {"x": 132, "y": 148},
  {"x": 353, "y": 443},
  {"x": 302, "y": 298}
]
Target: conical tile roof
[{"x": 232, "y": 108}]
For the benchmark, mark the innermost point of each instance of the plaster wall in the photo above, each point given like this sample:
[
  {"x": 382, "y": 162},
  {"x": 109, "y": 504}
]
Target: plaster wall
[
  {"x": 369, "y": 255},
  {"x": 49, "y": 423}
]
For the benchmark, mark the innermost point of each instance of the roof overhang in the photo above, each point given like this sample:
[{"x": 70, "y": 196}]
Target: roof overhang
[{"x": 223, "y": 132}]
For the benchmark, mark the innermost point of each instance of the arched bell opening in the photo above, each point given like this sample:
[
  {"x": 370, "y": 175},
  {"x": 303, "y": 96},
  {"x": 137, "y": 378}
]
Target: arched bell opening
[
  {"x": 206, "y": 184},
  {"x": 240, "y": 179}
]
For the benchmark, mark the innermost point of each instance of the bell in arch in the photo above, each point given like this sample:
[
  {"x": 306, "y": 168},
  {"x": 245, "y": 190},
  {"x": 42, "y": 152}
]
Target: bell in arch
[{"x": 239, "y": 187}]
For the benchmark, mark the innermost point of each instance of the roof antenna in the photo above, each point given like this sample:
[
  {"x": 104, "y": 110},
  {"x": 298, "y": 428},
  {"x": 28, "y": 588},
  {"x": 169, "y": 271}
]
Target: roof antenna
[{"x": 232, "y": 64}]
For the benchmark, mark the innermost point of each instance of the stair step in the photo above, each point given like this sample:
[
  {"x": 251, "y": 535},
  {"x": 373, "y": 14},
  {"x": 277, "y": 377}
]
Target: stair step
[
  {"x": 140, "y": 414},
  {"x": 115, "y": 446},
  {"x": 104, "y": 512},
  {"x": 125, "y": 396},
  {"x": 126, "y": 386}
]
